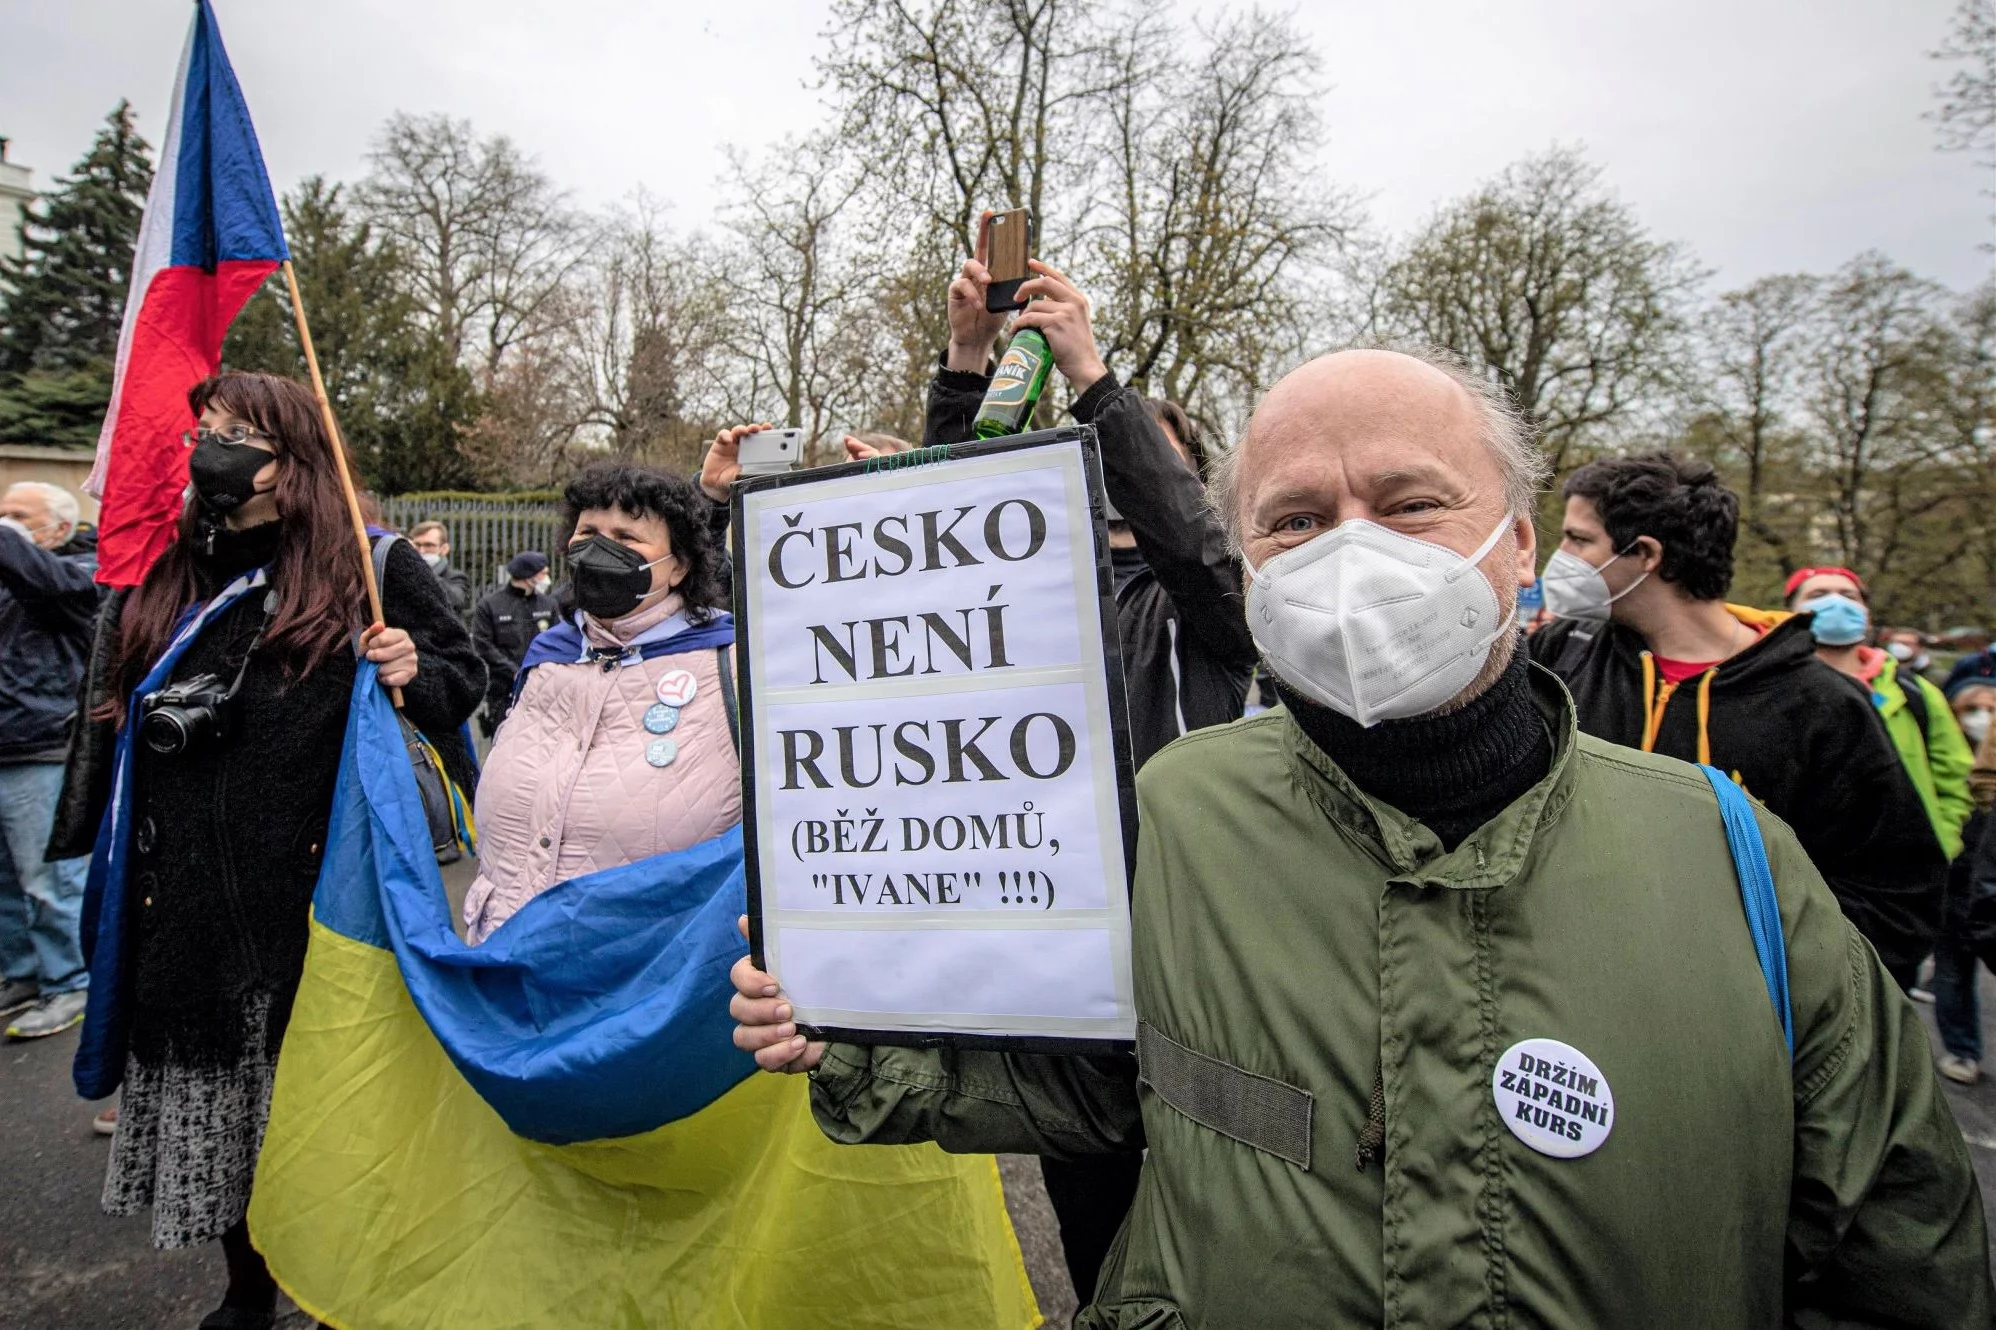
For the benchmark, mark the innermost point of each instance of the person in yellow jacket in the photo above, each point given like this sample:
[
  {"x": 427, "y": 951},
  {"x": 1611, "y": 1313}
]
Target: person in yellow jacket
[{"x": 1916, "y": 713}]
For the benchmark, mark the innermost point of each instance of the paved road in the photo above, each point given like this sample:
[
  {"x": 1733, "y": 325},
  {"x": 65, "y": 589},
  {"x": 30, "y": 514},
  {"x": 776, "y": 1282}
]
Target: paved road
[{"x": 64, "y": 1265}]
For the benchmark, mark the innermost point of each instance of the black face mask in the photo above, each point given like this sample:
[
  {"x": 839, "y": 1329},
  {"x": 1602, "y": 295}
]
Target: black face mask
[
  {"x": 224, "y": 474},
  {"x": 610, "y": 580}
]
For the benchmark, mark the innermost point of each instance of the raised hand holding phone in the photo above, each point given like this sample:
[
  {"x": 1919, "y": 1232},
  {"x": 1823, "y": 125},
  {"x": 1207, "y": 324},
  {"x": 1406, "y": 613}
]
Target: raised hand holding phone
[
  {"x": 973, "y": 329},
  {"x": 722, "y": 466}
]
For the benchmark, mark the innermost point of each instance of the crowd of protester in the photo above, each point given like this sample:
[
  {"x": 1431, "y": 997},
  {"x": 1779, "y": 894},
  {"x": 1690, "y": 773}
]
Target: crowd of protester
[{"x": 1444, "y": 803}]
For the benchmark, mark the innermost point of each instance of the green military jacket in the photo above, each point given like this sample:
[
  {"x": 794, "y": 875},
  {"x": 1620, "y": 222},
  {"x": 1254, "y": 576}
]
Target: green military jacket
[{"x": 1297, "y": 944}]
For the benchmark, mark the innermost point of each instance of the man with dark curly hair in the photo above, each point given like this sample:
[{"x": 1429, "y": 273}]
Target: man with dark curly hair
[{"x": 1657, "y": 659}]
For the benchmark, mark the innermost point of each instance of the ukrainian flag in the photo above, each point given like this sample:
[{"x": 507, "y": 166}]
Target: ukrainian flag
[{"x": 554, "y": 1130}]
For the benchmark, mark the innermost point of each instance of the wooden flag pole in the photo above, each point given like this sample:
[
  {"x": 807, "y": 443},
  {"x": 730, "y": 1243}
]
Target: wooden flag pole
[{"x": 339, "y": 457}]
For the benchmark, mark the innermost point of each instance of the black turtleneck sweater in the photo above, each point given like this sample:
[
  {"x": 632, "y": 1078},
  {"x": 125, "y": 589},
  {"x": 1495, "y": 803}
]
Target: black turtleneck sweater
[
  {"x": 223, "y": 553},
  {"x": 1453, "y": 772}
]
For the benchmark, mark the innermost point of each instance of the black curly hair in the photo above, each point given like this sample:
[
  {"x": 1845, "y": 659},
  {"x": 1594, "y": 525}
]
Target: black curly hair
[
  {"x": 643, "y": 492},
  {"x": 1679, "y": 502}
]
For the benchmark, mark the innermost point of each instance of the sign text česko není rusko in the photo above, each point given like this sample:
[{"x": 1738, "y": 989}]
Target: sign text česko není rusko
[{"x": 937, "y": 782}]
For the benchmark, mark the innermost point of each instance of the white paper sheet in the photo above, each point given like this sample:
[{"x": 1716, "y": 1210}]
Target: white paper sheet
[{"x": 937, "y": 831}]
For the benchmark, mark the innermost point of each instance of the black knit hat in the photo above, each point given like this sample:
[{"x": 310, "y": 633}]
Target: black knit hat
[{"x": 529, "y": 563}]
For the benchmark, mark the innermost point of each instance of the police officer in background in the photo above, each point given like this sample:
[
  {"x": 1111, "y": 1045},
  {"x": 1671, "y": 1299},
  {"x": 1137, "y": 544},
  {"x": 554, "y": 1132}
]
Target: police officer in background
[{"x": 504, "y": 623}]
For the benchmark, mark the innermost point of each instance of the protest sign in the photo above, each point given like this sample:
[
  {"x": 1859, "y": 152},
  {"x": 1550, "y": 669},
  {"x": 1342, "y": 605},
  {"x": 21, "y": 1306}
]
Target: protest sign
[{"x": 936, "y": 772}]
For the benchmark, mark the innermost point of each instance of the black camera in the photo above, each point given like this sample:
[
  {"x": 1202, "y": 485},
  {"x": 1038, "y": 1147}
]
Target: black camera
[{"x": 180, "y": 716}]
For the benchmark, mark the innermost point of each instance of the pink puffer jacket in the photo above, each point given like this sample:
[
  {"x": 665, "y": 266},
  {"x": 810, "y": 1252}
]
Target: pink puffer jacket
[{"x": 568, "y": 789}]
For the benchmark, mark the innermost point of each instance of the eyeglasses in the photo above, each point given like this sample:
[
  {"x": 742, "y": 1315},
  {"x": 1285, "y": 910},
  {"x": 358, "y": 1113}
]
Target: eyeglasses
[{"x": 234, "y": 434}]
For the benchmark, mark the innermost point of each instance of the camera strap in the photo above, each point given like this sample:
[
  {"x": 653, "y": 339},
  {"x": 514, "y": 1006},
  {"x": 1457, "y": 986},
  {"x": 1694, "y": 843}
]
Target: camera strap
[{"x": 263, "y": 625}]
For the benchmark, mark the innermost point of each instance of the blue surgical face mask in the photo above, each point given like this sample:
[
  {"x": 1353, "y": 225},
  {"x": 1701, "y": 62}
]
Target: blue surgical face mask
[{"x": 1837, "y": 620}]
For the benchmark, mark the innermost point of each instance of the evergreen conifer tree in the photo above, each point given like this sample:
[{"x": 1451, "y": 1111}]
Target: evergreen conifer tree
[
  {"x": 63, "y": 300},
  {"x": 401, "y": 399}
]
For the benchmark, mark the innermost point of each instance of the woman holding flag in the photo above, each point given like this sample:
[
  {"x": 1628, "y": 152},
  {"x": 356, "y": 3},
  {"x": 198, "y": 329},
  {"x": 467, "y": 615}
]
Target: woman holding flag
[
  {"x": 552, "y": 1125},
  {"x": 236, "y": 663}
]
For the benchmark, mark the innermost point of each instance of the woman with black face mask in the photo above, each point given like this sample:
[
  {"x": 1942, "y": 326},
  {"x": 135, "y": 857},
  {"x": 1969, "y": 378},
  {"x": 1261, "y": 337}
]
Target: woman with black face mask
[
  {"x": 244, "y": 635},
  {"x": 619, "y": 744}
]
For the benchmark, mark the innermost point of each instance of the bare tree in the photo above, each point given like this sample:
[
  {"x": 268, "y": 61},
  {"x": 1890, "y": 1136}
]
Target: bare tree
[
  {"x": 1753, "y": 341},
  {"x": 1878, "y": 368},
  {"x": 1213, "y": 249},
  {"x": 1173, "y": 178},
  {"x": 1967, "y": 110},
  {"x": 798, "y": 294},
  {"x": 489, "y": 239},
  {"x": 962, "y": 105},
  {"x": 1971, "y": 411},
  {"x": 654, "y": 346},
  {"x": 533, "y": 409},
  {"x": 1553, "y": 285}
]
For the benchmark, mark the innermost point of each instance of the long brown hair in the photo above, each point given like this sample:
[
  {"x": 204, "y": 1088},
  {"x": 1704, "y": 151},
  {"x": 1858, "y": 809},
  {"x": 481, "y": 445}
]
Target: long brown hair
[{"x": 317, "y": 571}]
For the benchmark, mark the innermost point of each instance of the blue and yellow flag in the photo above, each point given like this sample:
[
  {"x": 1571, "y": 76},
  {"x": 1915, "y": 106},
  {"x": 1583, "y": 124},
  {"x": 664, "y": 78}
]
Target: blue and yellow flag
[{"x": 553, "y": 1129}]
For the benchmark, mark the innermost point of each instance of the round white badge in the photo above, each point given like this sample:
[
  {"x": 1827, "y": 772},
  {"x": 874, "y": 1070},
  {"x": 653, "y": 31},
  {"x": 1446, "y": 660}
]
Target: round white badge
[
  {"x": 677, "y": 687},
  {"x": 1553, "y": 1098}
]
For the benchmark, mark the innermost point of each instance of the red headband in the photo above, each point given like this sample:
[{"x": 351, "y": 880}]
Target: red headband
[{"x": 1801, "y": 575}]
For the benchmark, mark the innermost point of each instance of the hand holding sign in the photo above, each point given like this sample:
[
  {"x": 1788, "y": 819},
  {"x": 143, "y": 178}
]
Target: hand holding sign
[{"x": 764, "y": 1023}]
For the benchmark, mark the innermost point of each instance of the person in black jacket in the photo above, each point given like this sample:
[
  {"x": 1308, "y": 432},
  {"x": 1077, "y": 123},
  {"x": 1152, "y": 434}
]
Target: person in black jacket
[
  {"x": 48, "y": 599},
  {"x": 225, "y": 835},
  {"x": 504, "y": 623},
  {"x": 1656, "y": 659},
  {"x": 432, "y": 541},
  {"x": 1187, "y": 654}
]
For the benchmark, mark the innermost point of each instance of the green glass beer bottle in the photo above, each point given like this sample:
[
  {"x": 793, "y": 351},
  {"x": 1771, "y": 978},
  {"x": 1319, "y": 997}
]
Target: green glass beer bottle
[{"x": 1016, "y": 387}]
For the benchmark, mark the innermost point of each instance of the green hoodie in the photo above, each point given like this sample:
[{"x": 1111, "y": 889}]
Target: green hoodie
[
  {"x": 1936, "y": 758},
  {"x": 1300, "y": 949}
]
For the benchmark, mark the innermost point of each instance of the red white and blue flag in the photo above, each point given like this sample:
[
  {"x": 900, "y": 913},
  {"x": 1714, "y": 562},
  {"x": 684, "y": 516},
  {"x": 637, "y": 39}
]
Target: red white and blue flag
[{"x": 211, "y": 235}]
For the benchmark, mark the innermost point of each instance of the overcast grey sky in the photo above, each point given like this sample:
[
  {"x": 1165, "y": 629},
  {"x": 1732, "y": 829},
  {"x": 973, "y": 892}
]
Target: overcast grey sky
[{"x": 1769, "y": 135}]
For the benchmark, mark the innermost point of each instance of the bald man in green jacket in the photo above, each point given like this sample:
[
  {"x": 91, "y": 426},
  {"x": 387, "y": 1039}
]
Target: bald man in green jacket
[{"x": 1449, "y": 1014}]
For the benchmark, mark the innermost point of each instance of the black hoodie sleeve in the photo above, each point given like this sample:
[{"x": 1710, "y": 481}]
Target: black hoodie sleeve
[
  {"x": 1865, "y": 826},
  {"x": 1165, "y": 505},
  {"x": 450, "y": 678},
  {"x": 954, "y": 396}
]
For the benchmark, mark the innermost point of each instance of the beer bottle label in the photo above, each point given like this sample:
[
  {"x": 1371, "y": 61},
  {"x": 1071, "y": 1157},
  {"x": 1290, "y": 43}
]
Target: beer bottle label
[{"x": 1014, "y": 377}]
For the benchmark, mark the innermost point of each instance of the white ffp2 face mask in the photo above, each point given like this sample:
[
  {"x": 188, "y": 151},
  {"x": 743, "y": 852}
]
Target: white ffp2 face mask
[
  {"x": 1575, "y": 589},
  {"x": 1975, "y": 724},
  {"x": 1373, "y": 624}
]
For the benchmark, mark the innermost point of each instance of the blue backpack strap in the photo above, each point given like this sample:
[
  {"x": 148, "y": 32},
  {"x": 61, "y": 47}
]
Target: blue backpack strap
[{"x": 1763, "y": 910}]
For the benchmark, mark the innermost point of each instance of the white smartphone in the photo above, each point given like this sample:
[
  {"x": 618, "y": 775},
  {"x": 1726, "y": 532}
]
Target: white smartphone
[{"x": 771, "y": 451}]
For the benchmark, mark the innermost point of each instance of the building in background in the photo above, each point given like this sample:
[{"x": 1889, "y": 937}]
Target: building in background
[{"x": 15, "y": 196}]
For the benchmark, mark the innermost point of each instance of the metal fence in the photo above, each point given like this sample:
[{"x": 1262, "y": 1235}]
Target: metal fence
[{"x": 485, "y": 532}]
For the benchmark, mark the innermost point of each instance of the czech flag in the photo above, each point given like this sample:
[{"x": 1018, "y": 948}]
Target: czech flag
[{"x": 211, "y": 235}]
